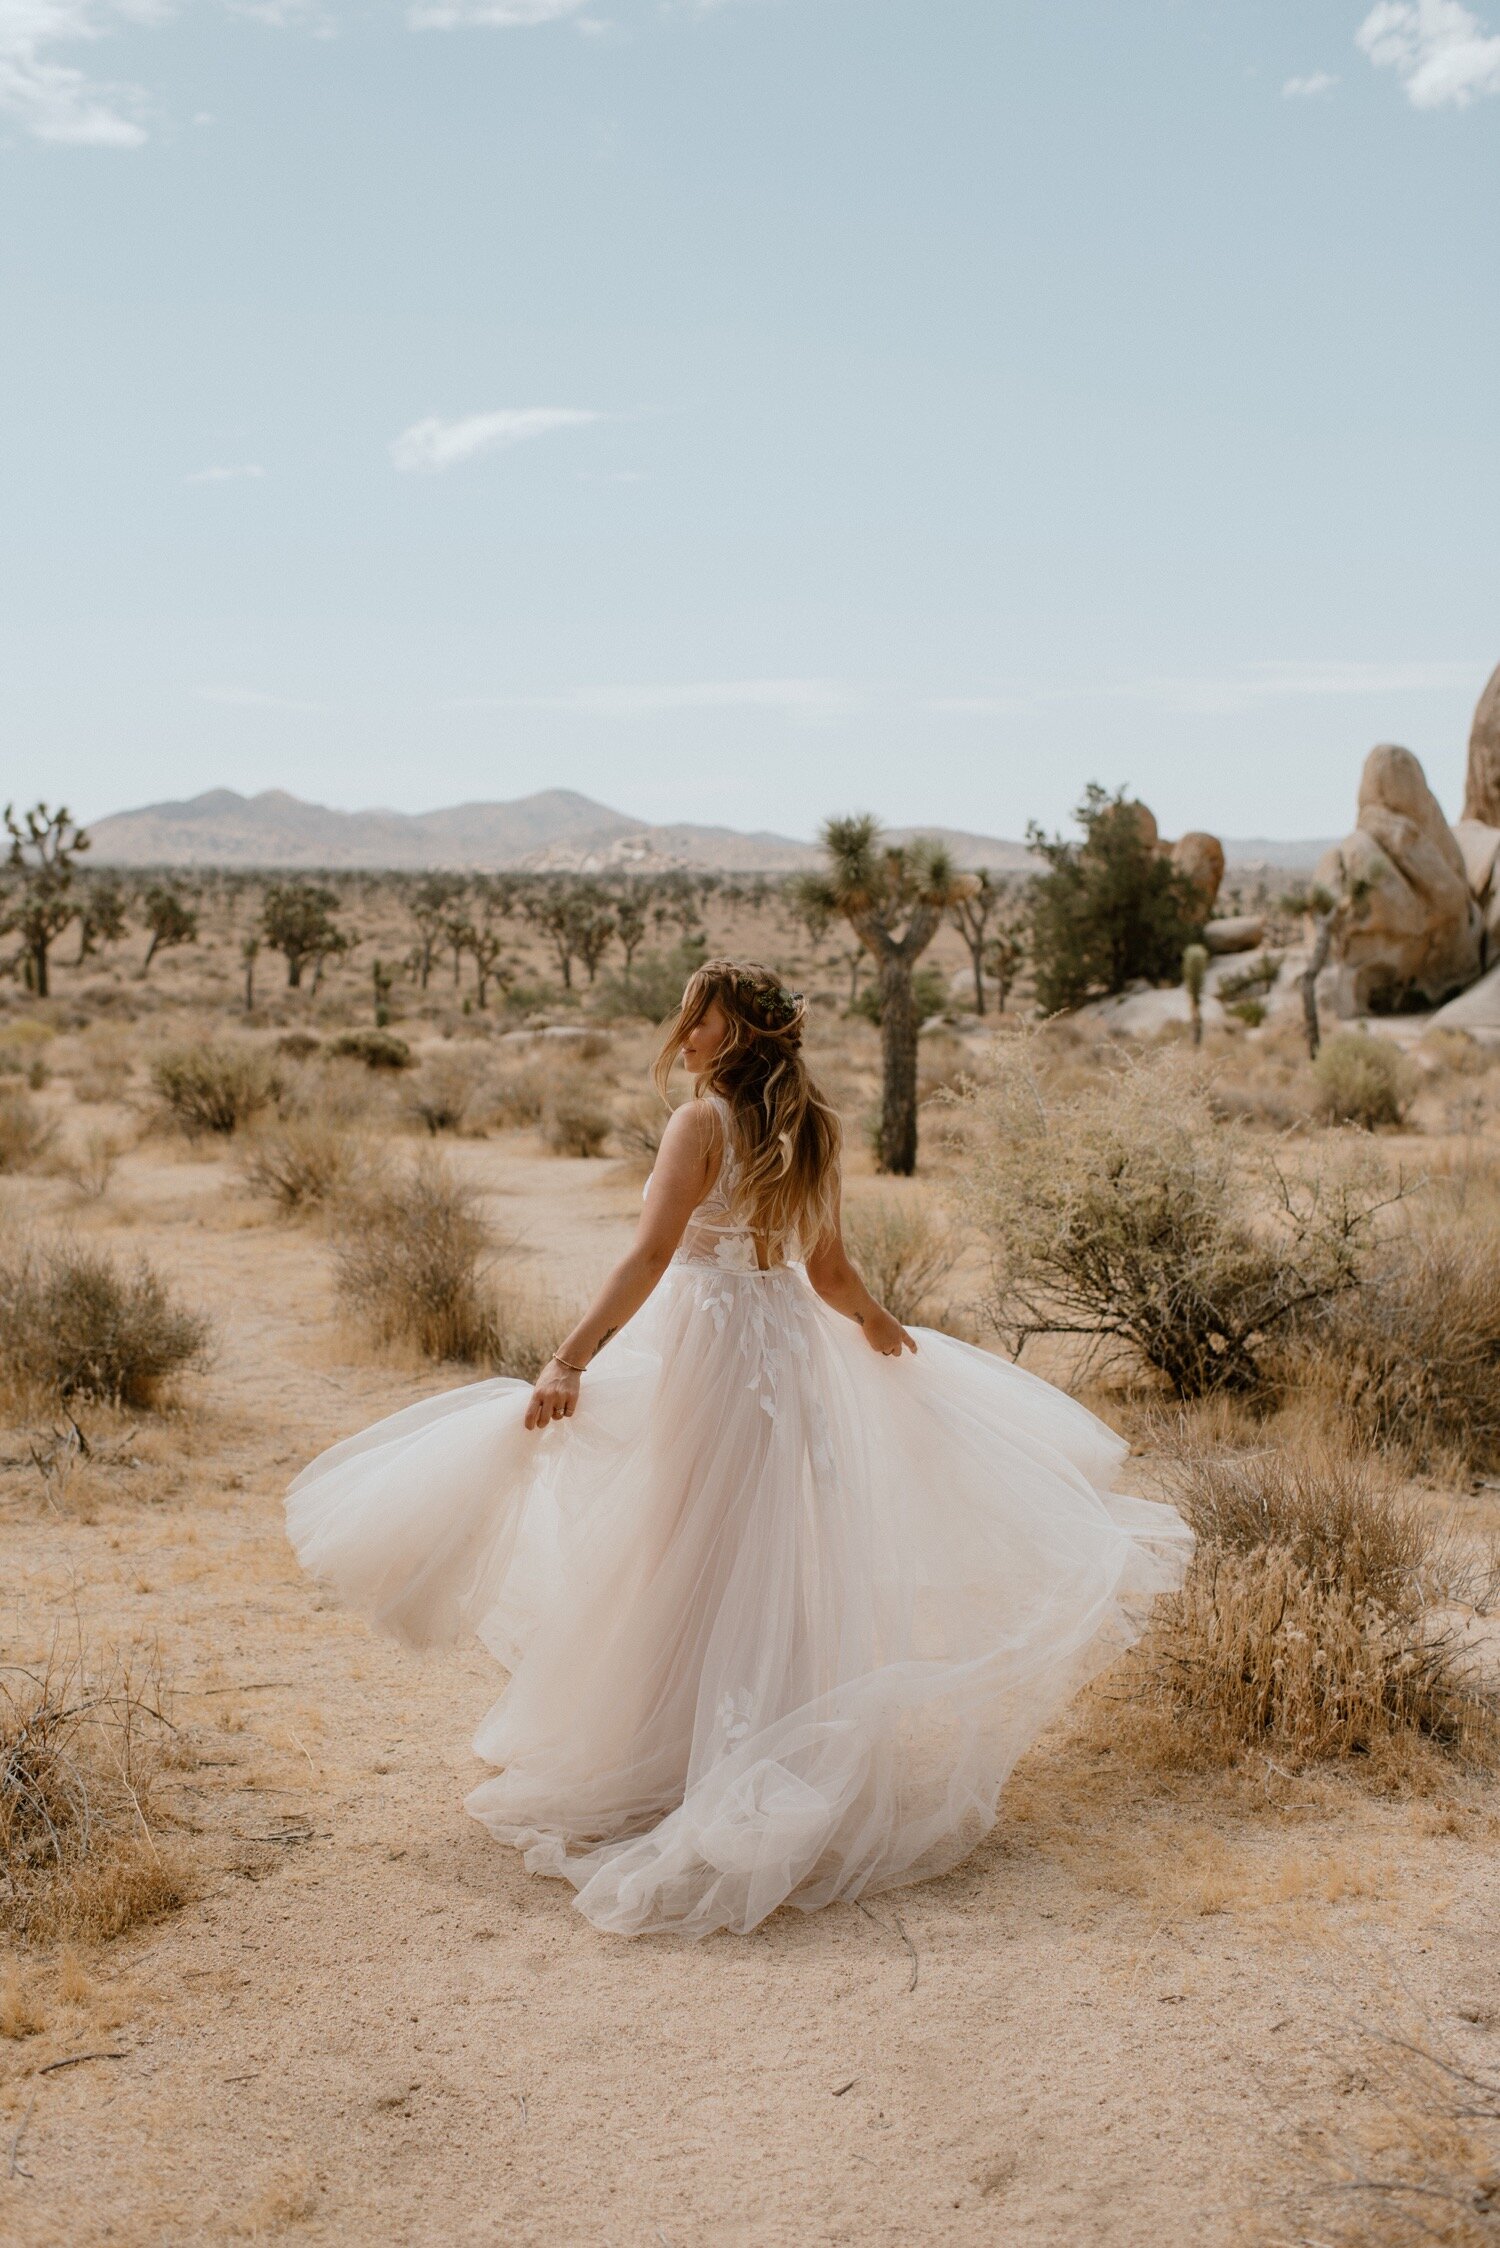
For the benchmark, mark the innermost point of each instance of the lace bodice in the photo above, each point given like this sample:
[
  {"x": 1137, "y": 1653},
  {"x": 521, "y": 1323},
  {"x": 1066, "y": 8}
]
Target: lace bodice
[{"x": 713, "y": 1234}]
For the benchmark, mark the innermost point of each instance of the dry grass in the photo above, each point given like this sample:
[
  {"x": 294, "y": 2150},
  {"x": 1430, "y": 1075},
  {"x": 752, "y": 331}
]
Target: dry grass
[
  {"x": 1421, "y": 2169},
  {"x": 302, "y": 1165},
  {"x": 1413, "y": 1360},
  {"x": 415, "y": 1265},
  {"x": 89, "y": 1163},
  {"x": 446, "y": 1093},
  {"x": 213, "y": 1088},
  {"x": 25, "y": 1133},
  {"x": 1324, "y": 1617},
  {"x": 72, "y": 1324},
  {"x": 81, "y": 1742},
  {"x": 904, "y": 1253}
]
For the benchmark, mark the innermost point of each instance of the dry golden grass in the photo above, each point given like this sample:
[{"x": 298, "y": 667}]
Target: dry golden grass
[
  {"x": 1420, "y": 2168},
  {"x": 213, "y": 1087},
  {"x": 25, "y": 1132},
  {"x": 575, "y": 1118},
  {"x": 81, "y": 1741},
  {"x": 904, "y": 1252},
  {"x": 1324, "y": 1616}
]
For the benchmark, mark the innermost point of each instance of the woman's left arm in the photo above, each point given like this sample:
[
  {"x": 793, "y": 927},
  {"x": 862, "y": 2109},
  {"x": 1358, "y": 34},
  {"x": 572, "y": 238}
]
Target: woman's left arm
[{"x": 678, "y": 1184}]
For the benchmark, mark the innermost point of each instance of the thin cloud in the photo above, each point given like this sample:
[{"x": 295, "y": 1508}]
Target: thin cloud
[
  {"x": 503, "y": 15},
  {"x": 51, "y": 100},
  {"x": 806, "y": 698},
  {"x": 1310, "y": 88},
  {"x": 224, "y": 475},
  {"x": 1440, "y": 51},
  {"x": 437, "y": 444}
]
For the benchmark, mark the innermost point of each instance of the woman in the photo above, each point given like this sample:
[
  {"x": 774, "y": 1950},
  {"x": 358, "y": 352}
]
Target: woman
[{"x": 784, "y": 1591}]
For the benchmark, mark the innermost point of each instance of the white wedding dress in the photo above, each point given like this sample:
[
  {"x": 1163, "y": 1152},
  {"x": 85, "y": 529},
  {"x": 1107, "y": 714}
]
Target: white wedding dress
[{"x": 780, "y": 1613}]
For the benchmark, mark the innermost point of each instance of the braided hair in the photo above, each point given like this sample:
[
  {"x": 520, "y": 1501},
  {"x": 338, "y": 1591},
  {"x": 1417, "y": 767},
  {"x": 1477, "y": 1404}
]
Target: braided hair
[{"x": 786, "y": 1136}]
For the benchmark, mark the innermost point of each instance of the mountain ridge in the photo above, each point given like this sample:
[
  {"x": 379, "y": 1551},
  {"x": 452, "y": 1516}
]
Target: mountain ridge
[{"x": 551, "y": 830}]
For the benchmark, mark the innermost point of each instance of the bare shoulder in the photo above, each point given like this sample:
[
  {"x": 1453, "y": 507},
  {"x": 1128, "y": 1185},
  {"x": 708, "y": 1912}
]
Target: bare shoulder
[{"x": 691, "y": 1136}]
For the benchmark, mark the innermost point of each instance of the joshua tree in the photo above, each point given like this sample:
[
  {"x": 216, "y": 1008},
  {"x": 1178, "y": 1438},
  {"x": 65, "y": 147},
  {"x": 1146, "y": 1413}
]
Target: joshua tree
[
  {"x": 430, "y": 905},
  {"x": 1005, "y": 959},
  {"x": 43, "y": 846},
  {"x": 971, "y": 917},
  {"x": 101, "y": 917},
  {"x": 893, "y": 897},
  {"x": 384, "y": 978},
  {"x": 296, "y": 920},
  {"x": 630, "y": 923},
  {"x": 1330, "y": 916},
  {"x": 249, "y": 953},
  {"x": 170, "y": 920},
  {"x": 1194, "y": 972},
  {"x": 595, "y": 926}
]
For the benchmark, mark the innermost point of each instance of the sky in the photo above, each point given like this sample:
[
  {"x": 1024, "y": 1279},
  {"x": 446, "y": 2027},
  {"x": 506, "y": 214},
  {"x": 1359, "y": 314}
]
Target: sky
[{"x": 750, "y": 411}]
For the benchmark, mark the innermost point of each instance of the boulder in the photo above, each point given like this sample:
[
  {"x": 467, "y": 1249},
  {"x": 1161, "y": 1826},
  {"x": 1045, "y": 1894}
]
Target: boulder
[
  {"x": 1237, "y": 932},
  {"x": 1201, "y": 858},
  {"x": 1476, "y": 1010},
  {"x": 1480, "y": 846},
  {"x": 1482, "y": 786},
  {"x": 1414, "y": 938}
]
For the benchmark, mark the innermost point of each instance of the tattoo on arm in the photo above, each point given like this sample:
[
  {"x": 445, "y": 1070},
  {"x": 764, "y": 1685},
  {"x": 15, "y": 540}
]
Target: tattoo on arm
[{"x": 603, "y": 1339}]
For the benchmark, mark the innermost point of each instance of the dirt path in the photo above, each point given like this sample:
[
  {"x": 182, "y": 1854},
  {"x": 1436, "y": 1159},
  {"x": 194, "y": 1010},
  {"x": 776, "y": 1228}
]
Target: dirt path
[{"x": 374, "y": 2027}]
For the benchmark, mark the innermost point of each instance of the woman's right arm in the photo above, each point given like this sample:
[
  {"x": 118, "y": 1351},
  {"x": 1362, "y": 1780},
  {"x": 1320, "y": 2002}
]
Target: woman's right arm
[{"x": 685, "y": 1165}]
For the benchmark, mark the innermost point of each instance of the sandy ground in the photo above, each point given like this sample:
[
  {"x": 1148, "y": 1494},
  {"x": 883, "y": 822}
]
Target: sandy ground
[{"x": 1115, "y": 2025}]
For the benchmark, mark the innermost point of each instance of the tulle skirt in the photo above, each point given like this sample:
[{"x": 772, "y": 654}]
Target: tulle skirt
[{"x": 779, "y": 1614}]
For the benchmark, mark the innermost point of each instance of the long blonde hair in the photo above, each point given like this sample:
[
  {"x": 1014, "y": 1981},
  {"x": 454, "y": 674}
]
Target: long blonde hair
[{"x": 787, "y": 1137}]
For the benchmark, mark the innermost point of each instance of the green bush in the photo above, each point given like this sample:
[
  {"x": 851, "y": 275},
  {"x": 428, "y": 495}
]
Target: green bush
[
  {"x": 1364, "y": 1080},
  {"x": 1110, "y": 909},
  {"x": 212, "y": 1088},
  {"x": 73, "y": 1325}
]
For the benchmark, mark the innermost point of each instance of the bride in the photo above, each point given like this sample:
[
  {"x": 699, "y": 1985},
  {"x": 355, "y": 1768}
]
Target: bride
[{"x": 783, "y": 1590}]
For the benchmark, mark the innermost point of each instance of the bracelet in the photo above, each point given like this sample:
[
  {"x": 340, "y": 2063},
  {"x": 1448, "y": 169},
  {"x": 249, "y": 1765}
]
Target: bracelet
[{"x": 568, "y": 1363}]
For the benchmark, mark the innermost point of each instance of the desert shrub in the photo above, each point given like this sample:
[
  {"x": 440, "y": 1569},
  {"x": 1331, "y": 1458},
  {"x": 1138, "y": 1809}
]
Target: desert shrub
[
  {"x": 1363, "y": 1080},
  {"x": 80, "y": 1745},
  {"x": 651, "y": 989},
  {"x": 575, "y": 1120},
  {"x": 1252, "y": 981},
  {"x": 89, "y": 1163},
  {"x": 25, "y": 1134},
  {"x": 1413, "y": 1361},
  {"x": 903, "y": 1253},
  {"x": 298, "y": 1045},
  {"x": 515, "y": 1095},
  {"x": 377, "y": 1049},
  {"x": 638, "y": 1125},
  {"x": 415, "y": 1264},
  {"x": 72, "y": 1324},
  {"x": 1317, "y": 1619},
  {"x": 410, "y": 1261},
  {"x": 1124, "y": 1211},
  {"x": 446, "y": 1093},
  {"x": 301, "y": 1164},
  {"x": 211, "y": 1088}
]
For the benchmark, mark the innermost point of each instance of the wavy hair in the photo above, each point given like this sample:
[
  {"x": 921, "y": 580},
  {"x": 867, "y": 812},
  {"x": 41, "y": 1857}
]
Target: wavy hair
[{"x": 787, "y": 1137}]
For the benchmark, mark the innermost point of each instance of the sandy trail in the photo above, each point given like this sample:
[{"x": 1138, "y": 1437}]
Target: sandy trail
[{"x": 373, "y": 2026}]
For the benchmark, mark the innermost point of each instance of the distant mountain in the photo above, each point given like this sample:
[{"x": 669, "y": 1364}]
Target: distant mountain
[{"x": 556, "y": 829}]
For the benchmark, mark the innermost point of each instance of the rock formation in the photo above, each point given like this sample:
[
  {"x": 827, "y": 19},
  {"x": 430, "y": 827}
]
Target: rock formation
[
  {"x": 1482, "y": 787},
  {"x": 1201, "y": 858},
  {"x": 1412, "y": 934}
]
